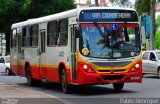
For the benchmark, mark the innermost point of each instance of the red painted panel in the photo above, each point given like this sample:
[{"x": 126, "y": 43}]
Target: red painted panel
[
  {"x": 35, "y": 72},
  {"x": 52, "y": 74},
  {"x": 14, "y": 69},
  {"x": 108, "y": 25}
]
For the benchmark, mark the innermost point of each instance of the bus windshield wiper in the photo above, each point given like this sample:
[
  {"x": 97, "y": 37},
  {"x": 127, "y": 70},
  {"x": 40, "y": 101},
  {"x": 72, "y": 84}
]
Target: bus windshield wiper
[
  {"x": 99, "y": 30},
  {"x": 125, "y": 32}
]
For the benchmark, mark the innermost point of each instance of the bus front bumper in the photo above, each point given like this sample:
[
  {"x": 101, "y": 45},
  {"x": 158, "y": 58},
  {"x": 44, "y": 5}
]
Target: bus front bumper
[{"x": 84, "y": 78}]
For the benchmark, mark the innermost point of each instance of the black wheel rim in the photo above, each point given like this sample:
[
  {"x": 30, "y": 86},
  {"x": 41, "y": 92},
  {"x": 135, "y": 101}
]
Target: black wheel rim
[{"x": 7, "y": 71}]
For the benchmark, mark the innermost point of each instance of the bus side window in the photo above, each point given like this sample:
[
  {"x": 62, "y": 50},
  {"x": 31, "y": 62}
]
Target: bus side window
[
  {"x": 62, "y": 33},
  {"x": 14, "y": 38},
  {"x": 52, "y": 33}
]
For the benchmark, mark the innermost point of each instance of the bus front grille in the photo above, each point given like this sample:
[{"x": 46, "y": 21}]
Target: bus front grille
[
  {"x": 112, "y": 64},
  {"x": 119, "y": 70}
]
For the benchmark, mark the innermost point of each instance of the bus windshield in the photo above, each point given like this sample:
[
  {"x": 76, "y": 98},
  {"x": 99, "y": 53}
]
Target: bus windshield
[{"x": 109, "y": 41}]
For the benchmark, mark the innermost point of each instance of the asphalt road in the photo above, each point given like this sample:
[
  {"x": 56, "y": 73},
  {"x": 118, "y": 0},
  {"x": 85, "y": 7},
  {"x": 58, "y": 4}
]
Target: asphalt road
[{"x": 16, "y": 87}]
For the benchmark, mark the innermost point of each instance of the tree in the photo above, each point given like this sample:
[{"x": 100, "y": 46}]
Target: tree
[
  {"x": 12, "y": 11},
  {"x": 143, "y": 6},
  {"x": 38, "y": 8},
  {"x": 9, "y": 13},
  {"x": 149, "y": 7},
  {"x": 157, "y": 36},
  {"x": 157, "y": 40}
]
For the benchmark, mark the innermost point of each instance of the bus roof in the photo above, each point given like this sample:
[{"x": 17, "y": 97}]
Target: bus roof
[{"x": 66, "y": 14}]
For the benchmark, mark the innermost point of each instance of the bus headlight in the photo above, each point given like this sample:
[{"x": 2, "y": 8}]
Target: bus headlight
[
  {"x": 87, "y": 68},
  {"x": 136, "y": 67}
]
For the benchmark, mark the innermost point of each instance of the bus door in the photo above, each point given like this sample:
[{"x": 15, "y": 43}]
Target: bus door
[
  {"x": 19, "y": 51},
  {"x": 42, "y": 50},
  {"x": 73, "y": 53}
]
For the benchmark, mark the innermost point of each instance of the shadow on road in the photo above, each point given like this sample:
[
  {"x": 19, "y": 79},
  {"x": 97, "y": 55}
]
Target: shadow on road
[
  {"x": 4, "y": 74},
  {"x": 76, "y": 90},
  {"x": 150, "y": 76},
  {"x": 79, "y": 90}
]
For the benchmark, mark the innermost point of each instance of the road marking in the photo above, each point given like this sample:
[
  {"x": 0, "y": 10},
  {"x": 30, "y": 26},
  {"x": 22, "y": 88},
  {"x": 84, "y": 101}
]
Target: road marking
[
  {"x": 60, "y": 99},
  {"x": 47, "y": 94}
]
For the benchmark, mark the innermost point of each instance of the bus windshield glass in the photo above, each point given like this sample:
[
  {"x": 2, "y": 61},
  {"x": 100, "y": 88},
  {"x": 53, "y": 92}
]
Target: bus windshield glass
[{"x": 110, "y": 40}]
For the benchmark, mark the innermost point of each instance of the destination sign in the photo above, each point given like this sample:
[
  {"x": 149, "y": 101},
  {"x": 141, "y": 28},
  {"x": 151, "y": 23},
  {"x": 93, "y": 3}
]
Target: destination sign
[{"x": 108, "y": 15}]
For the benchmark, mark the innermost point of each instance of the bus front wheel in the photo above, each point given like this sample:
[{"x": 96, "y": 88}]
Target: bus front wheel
[
  {"x": 65, "y": 86},
  {"x": 118, "y": 86}
]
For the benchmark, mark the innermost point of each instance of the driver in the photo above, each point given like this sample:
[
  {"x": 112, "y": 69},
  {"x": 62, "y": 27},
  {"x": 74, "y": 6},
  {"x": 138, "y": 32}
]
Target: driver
[{"x": 118, "y": 37}]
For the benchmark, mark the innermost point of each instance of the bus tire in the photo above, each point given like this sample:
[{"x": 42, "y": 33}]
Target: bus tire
[
  {"x": 159, "y": 73},
  {"x": 65, "y": 86},
  {"x": 8, "y": 72},
  {"x": 118, "y": 86},
  {"x": 30, "y": 80}
]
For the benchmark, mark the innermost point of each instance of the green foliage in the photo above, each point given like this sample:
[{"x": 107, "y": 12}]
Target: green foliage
[
  {"x": 158, "y": 21},
  {"x": 38, "y": 8},
  {"x": 157, "y": 36},
  {"x": 157, "y": 40},
  {"x": 12, "y": 11},
  {"x": 142, "y": 6},
  {"x": 157, "y": 24}
]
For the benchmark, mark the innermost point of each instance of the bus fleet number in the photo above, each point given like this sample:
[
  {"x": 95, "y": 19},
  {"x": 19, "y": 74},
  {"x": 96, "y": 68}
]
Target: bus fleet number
[{"x": 61, "y": 54}]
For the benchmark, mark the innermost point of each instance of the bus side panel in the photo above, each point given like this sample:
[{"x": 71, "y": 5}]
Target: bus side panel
[
  {"x": 13, "y": 61},
  {"x": 23, "y": 70},
  {"x": 53, "y": 74},
  {"x": 55, "y": 55},
  {"x": 31, "y": 57},
  {"x": 14, "y": 69},
  {"x": 35, "y": 72}
]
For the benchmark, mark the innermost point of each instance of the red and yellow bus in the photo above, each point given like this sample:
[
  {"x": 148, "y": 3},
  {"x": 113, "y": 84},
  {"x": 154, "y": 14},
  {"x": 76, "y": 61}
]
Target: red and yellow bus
[{"x": 86, "y": 46}]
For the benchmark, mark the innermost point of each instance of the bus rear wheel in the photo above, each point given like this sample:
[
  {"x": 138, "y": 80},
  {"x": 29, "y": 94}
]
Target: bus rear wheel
[
  {"x": 30, "y": 80},
  {"x": 159, "y": 73},
  {"x": 118, "y": 86},
  {"x": 8, "y": 72},
  {"x": 65, "y": 86}
]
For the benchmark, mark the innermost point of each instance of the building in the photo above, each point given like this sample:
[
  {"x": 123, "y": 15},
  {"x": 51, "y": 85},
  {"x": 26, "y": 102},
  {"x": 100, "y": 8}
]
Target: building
[{"x": 2, "y": 44}]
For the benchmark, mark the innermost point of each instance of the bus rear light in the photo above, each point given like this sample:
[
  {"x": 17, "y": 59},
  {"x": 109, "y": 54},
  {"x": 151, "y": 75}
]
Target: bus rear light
[{"x": 87, "y": 68}]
